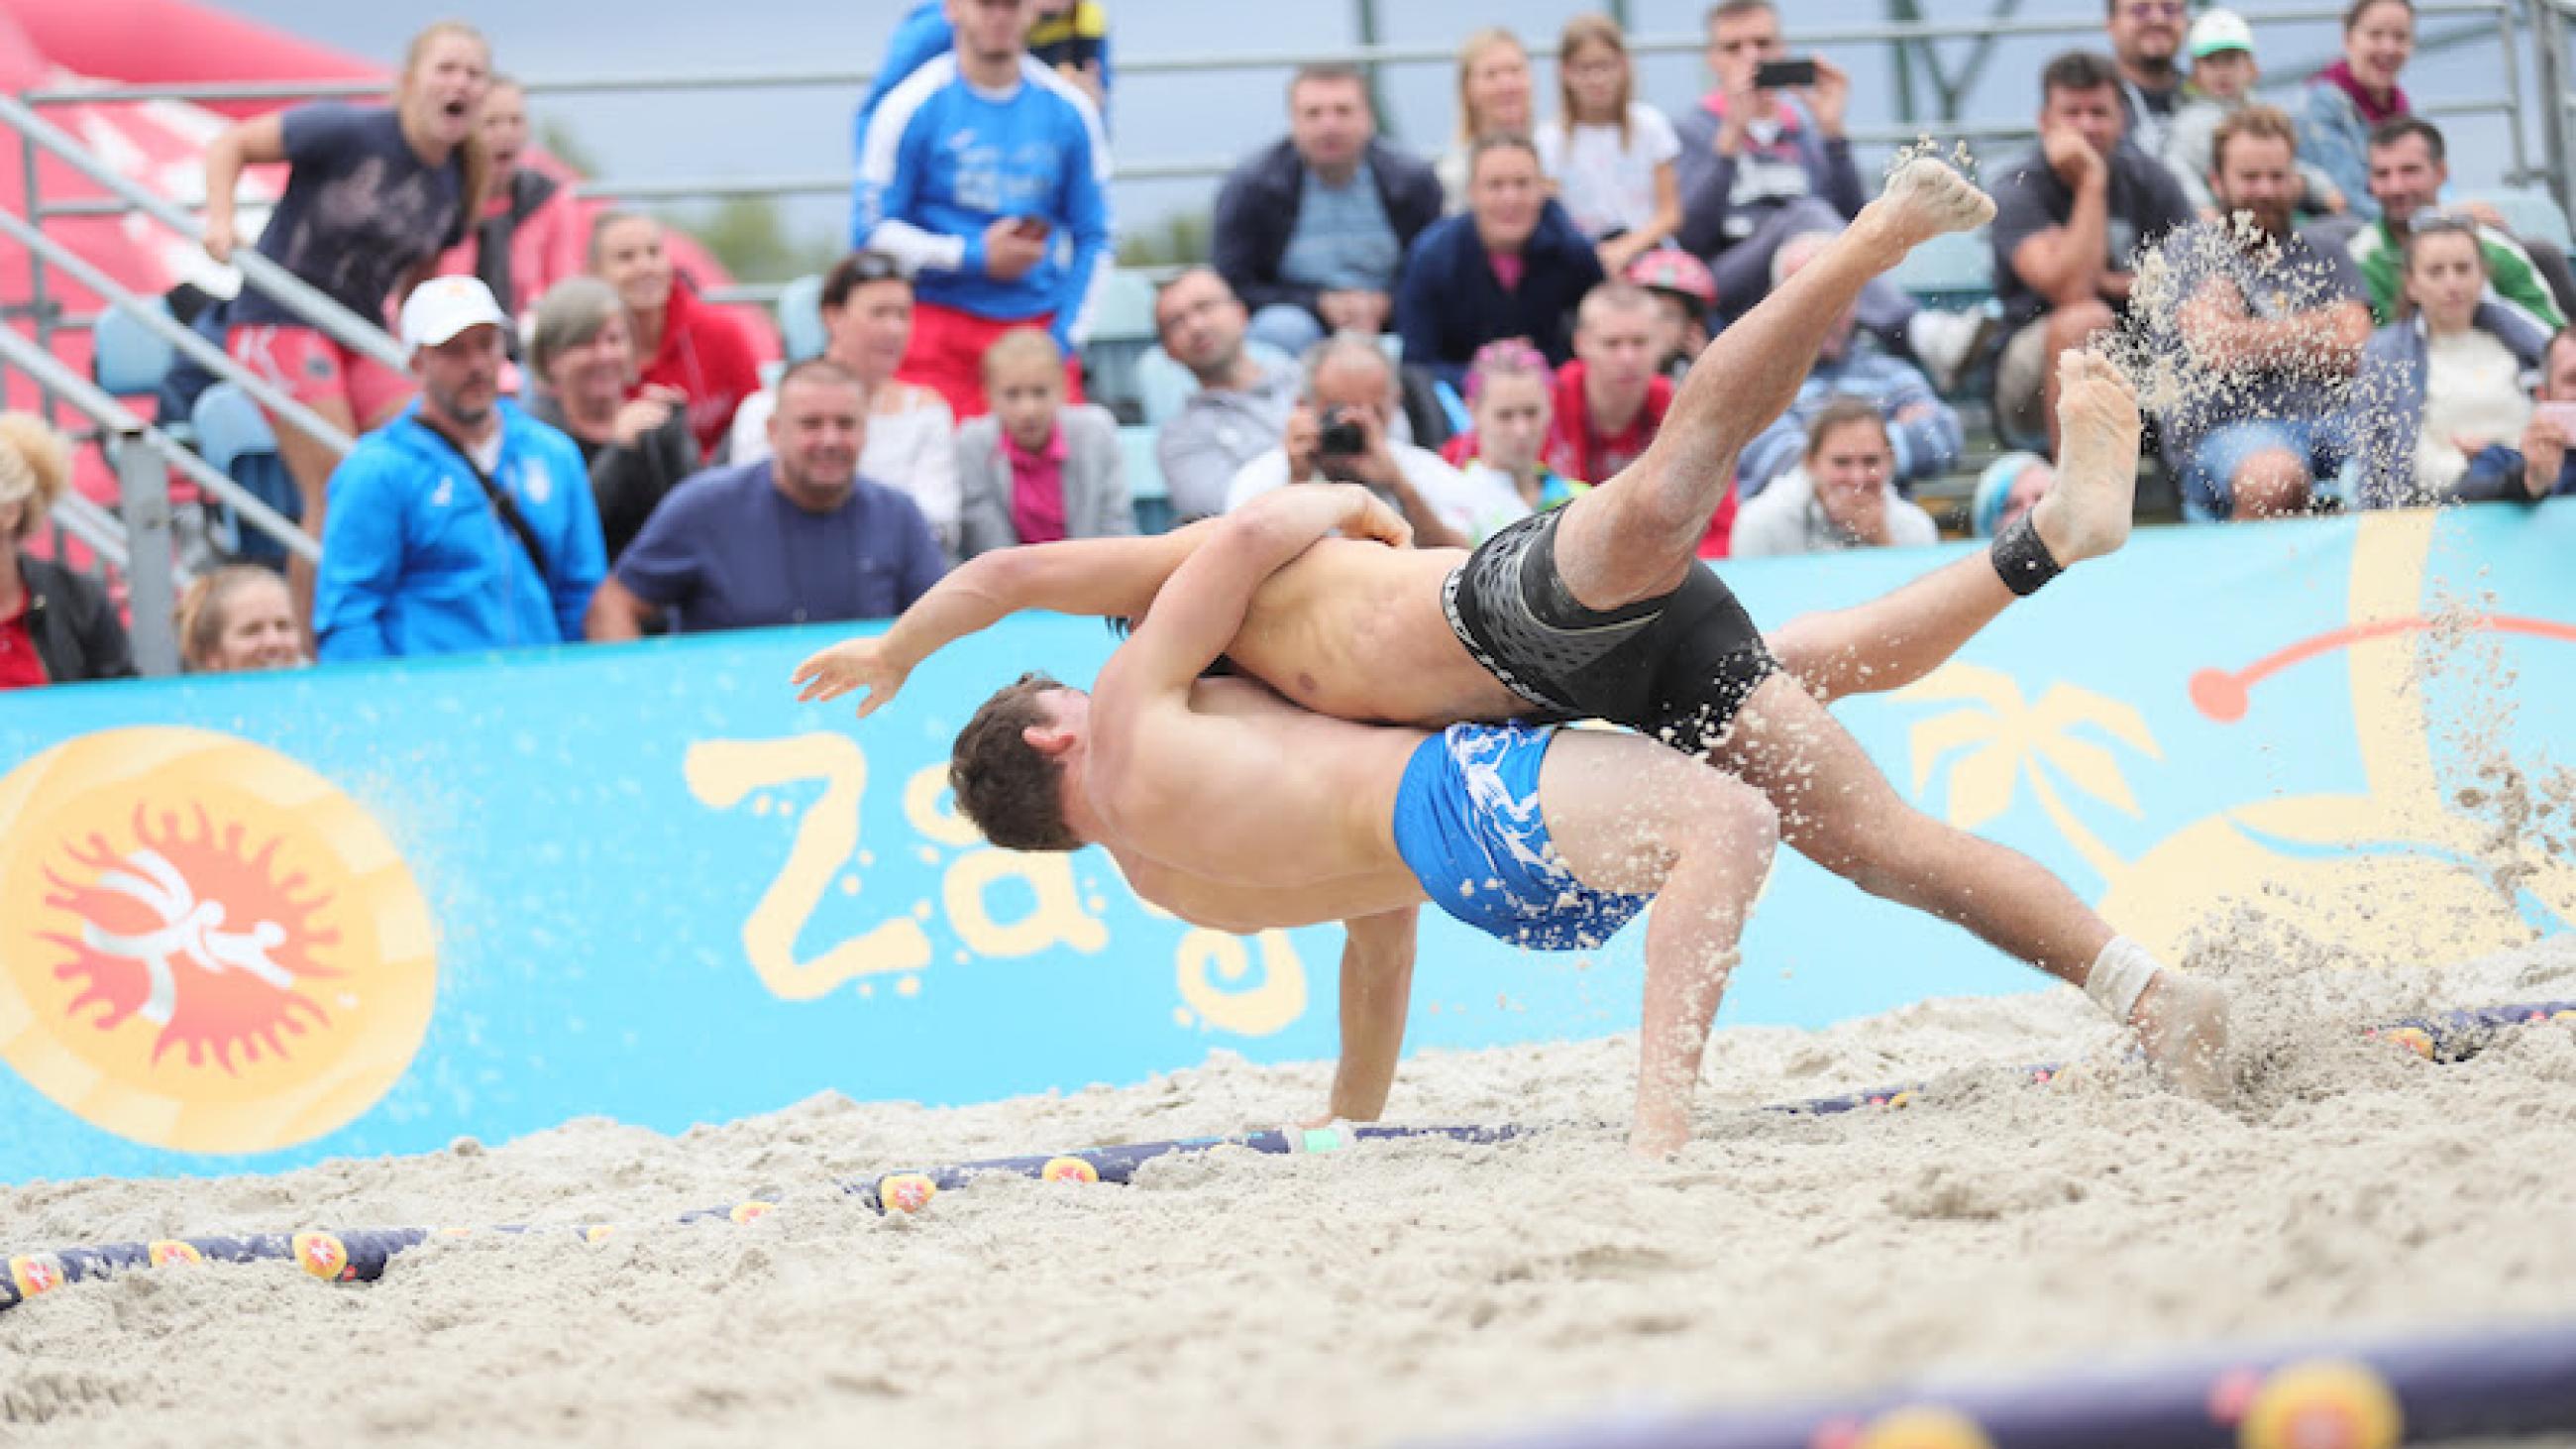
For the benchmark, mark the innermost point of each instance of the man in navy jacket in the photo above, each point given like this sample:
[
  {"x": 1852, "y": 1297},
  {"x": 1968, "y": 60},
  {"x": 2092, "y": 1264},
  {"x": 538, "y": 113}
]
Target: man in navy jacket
[
  {"x": 1512, "y": 265},
  {"x": 1312, "y": 232}
]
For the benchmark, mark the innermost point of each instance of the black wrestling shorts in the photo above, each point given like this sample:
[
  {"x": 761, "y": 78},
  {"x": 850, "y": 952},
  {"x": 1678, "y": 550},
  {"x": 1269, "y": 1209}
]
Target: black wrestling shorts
[{"x": 1676, "y": 667}]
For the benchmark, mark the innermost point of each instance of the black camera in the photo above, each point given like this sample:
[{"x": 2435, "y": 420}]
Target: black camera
[{"x": 1341, "y": 434}]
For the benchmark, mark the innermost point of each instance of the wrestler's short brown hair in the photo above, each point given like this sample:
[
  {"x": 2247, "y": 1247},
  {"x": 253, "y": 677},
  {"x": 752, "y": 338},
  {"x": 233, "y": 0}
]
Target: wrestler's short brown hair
[{"x": 1011, "y": 791}]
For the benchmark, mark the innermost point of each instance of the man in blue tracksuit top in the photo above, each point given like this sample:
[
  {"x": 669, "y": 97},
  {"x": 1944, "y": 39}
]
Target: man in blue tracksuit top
[
  {"x": 924, "y": 34},
  {"x": 418, "y": 555},
  {"x": 987, "y": 174}
]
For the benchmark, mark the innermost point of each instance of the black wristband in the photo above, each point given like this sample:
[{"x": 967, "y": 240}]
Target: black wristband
[{"x": 2022, "y": 559}]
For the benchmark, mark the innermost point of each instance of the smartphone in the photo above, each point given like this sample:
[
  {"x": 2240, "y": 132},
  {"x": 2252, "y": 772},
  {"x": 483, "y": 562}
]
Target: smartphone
[
  {"x": 1032, "y": 227},
  {"x": 2561, "y": 413},
  {"x": 1781, "y": 75}
]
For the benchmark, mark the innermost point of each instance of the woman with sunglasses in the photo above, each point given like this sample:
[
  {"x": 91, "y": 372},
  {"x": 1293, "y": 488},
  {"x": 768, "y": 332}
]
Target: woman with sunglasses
[{"x": 911, "y": 446}]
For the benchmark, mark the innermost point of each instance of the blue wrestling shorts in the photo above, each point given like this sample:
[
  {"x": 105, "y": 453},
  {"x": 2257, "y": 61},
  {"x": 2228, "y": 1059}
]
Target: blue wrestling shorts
[{"x": 1467, "y": 821}]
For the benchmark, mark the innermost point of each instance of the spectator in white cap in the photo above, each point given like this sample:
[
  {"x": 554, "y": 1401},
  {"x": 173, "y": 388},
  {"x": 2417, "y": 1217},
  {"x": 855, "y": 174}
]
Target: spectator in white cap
[
  {"x": 464, "y": 524},
  {"x": 2223, "y": 72}
]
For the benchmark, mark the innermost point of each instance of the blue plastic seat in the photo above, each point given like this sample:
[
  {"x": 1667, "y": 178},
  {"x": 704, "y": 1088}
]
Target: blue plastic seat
[
  {"x": 1951, "y": 270},
  {"x": 800, "y": 319},
  {"x": 1145, "y": 487},
  {"x": 129, "y": 358},
  {"x": 235, "y": 438}
]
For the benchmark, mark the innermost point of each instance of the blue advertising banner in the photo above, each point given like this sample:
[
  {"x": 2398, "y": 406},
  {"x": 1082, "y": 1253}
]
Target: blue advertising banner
[{"x": 252, "y": 922}]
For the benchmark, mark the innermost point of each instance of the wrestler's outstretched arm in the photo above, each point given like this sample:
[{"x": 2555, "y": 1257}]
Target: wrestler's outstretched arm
[
  {"x": 1109, "y": 577},
  {"x": 1895, "y": 639},
  {"x": 1377, "y": 994}
]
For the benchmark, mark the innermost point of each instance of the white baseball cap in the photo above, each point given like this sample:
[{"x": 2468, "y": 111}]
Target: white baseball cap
[
  {"x": 441, "y": 307},
  {"x": 2218, "y": 30}
]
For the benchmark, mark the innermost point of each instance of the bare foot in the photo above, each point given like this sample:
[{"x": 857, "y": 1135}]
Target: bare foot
[
  {"x": 2086, "y": 513},
  {"x": 2183, "y": 1023},
  {"x": 1926, "y": 198}
]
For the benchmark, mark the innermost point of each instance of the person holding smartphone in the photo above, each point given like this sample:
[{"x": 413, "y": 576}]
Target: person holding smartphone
[
  {"x": 1764, "y": 157},
  {"x": 2549, "y": 442},
  {"x": 987, "y": 175}
]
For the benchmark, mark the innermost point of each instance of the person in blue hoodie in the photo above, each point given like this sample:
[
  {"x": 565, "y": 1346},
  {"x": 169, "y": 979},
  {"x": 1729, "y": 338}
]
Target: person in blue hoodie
[
  {"x": 464, "y": 524},
  {"x": 1513, "y": 264},
  {"x": 986, "y": 174},
  {"x": 1070, "y": 37}
]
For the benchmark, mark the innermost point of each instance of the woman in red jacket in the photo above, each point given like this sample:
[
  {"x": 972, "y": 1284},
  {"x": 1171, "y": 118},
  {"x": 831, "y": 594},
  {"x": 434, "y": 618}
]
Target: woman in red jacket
[{"x": 699, "y": 350}]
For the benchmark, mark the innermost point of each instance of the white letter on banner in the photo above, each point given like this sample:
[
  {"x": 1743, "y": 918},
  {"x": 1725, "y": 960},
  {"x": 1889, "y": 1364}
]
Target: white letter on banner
[
  {"x": 1260, "y": 1011},
  {"x": 720, "y": 773}
]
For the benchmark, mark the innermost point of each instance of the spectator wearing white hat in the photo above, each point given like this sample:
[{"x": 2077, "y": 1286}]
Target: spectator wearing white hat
[
  {"x": 464, "y": 524},
  {"x": 2223, "y": 73}
]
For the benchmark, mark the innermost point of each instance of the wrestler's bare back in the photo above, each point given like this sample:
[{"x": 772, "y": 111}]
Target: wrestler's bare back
[
  {"x": 1212, "y": 791},
  {"x": 1356, "y": 630}
]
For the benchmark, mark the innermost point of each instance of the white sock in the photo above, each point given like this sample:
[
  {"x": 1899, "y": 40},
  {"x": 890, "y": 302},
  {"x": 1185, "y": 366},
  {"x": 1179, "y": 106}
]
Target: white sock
[{"x": 2120, "y": 975}]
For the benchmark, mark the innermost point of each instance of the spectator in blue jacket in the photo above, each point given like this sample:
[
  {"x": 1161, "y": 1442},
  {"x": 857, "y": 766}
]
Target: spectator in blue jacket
[
  {"x": 1512, "y": 265},
  {"x": 1922, "y": 431},
  {"x": 1311, "y": 233},
  {"x": 1071, "y": 36},
  {"x": 796, "y": 538},
  {"x": 464, "y": 524},
  {"x": 987, "y": 175}
]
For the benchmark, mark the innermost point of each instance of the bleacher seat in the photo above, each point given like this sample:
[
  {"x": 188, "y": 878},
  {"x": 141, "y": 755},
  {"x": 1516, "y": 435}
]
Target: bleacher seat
[
  {"x": 1954, "y": 269},
  {"x": 800, "y": 318},
  {"x": 1122, "y": 329},
  {"x": 234, "y": 438},
  {"x": 1145, "y": 489},
  {"x": 128, "y": 358},
  {"x": 2532, "y": 215}
]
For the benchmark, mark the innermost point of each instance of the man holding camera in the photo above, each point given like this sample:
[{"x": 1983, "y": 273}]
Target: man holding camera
[{"x": 1338, "y": 434}]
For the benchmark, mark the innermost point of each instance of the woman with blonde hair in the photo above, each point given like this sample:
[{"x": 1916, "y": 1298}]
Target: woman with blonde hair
[
  {"x": 237, "y": 619},
  {"x": 1493, "y": 100},
  {"x": 373, "y": 195},
  {"x": 56, "y": 626},
  {"x": 1612, "y": 158}
]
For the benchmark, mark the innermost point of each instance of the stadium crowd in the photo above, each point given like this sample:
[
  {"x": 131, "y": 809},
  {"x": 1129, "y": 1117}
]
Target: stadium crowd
[{"x": 583, "y": 448}]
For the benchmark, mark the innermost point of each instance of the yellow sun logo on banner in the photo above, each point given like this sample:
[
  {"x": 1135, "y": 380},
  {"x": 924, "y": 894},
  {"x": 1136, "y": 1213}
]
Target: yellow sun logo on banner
[{"x": 204, "y": 945}]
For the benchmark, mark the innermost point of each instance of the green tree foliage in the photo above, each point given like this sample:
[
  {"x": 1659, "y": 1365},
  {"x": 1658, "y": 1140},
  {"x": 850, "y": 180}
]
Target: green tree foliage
[{"x": 1182, "y": 238}]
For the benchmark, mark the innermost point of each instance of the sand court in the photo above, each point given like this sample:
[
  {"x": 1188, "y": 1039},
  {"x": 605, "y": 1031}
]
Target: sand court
[{"x": 1390, "y": 1294}]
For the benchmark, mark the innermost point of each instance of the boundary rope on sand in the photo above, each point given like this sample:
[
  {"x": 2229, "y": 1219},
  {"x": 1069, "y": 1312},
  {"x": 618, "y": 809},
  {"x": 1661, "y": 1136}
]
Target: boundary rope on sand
[
  {"x": 360, "y": 1255},
  {"x": 2424, "y": 1389}
]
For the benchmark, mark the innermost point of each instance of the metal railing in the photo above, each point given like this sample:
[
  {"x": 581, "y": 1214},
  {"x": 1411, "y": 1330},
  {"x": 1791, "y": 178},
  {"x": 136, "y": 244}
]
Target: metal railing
[{"x": 2501, "y": 19}]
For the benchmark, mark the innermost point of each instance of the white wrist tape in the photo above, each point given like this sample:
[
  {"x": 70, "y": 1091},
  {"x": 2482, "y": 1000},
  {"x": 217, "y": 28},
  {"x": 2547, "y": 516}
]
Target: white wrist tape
[{"x": 2119, "y": 977}]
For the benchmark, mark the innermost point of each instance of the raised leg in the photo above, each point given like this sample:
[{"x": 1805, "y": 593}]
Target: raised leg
[
  {"x": 1836, "y": 809},
  {"x": 1895, "y": 639},
  {"x": 1634, "y": 537}
]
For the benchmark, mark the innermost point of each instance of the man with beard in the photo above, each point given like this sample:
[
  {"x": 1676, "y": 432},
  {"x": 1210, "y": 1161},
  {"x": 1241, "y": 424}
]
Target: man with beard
[
  {"x": 464, "y": 524},
  {"x": 2145, "y": 37},
  {"x": 2270, "y": 333}
]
